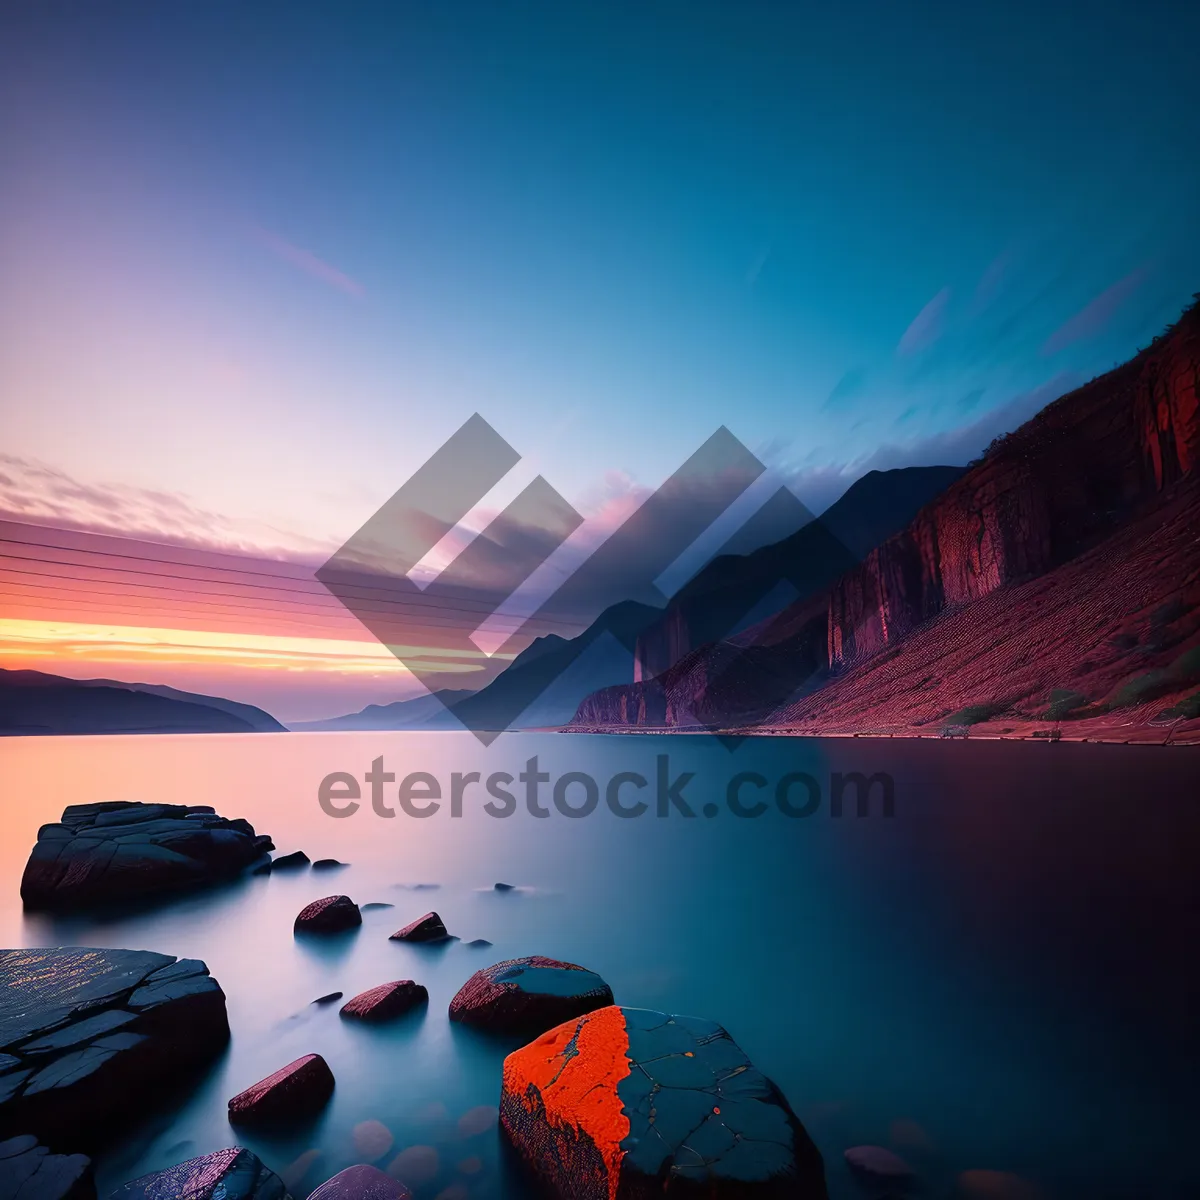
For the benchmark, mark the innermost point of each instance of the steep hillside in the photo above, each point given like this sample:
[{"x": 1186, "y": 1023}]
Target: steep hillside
[{"x": 1111, "y": 462}]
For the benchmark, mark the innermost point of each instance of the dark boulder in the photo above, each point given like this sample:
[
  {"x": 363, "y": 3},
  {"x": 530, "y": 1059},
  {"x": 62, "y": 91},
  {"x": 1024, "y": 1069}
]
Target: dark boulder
[
  {"x": 386, "y": 1001},
  {"x": 328, "y": 864},
  {"x": 120, "y": 851},
  {"x": 28, "y": 1171},
  {"x": 292, "y": 861},
  {"x": 504, "y": 887},
  {"x": 329, "y": 998},
  {"x": 333, "y": 914},
  {"x": 232, "y": 1174},
  {"x": 528, "y": 995},
  {"x": 627, "y": 1104},
  {"x": 90, "y": 1038},
  {"x": 293, "y": 1093},
  {"x": 361, "y": 1183},
  {"x": 429, "y": 928}
]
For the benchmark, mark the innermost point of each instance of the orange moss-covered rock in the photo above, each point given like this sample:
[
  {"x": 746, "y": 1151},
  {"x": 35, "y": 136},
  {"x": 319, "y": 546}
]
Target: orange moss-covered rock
[{"x": 625, "y": 1104}]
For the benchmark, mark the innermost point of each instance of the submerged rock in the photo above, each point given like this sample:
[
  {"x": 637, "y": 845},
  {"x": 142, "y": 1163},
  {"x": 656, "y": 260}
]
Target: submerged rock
[
  {"x": 878, "y": 1163},
  {"x": 28, "y": 1171},
  {"x": 90, "y": 1037},
  {"x": 528, "y": 995},
  {"x": 386, "y": 1001},
  {"x": 429, "y": 928},
  {"x": 504, "y": 887},
  {"x": 361, "y": 1183},
  {"x": 100, "y": 853},
  {"x": 622, "y": 1103},
  {"x": 332, "y": 914},
  {"x": 232, "y": 1174},
  {"x": 329, "y": 998},
  {"x": 293, "y": 1093},
  {"x": 328, "y": 864}
]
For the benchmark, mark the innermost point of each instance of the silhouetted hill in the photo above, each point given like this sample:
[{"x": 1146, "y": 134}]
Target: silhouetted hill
[
  {"x": 33, "y": 702},
  {"x": 419, "y": 712}
]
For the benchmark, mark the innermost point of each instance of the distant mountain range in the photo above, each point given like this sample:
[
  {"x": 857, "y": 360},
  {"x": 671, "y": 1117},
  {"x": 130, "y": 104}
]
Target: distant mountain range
[
  {"x": 1054, "y": 587},
  {"x": 427, "y": 712},
  {"x": 32, "y": 702},
  {"x": 545, "y": 684}
]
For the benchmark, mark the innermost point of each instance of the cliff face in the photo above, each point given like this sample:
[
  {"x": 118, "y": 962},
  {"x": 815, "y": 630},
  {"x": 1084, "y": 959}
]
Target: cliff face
[
  {"x": 1063, "y": 483},
  {"x": 1053, "y": 488}
]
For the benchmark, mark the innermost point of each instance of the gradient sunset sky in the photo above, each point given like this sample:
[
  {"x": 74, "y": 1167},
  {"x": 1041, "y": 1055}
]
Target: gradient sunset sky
[{"x": 260, "y": 260}]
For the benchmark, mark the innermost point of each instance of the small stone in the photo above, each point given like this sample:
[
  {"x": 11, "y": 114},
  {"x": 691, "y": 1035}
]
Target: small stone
[
  {"x": 504, "y": 887},
  {"x": 328, "y": 864},
  {"x": 372, "y": 1139},
  {"x": 332, "y": 914},
  {"x": 528, "y": 995},
  {"x": 375, "y": 904},
  {"x": 361, "y": 1183},
  {"x": 299, "y": 1090},
  {"x": 416, "y": 1165},
  {"x": 878, "y": 1162},
  {"x": 297, "y": 858},
  {"x": 478, "y": 944},
  {"x": 387, "y": 1001},
  {"x": 328, "y": 999},
  {"x": 429, "y": 928}
]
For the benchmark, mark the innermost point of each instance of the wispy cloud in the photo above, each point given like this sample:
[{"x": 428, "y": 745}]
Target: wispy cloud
[
  {"x": 310, "y": 264},
  {"x": 1095, "y": 316},
  {"x": 37, "y": 492},
  {"x": 926, "y": 326}
]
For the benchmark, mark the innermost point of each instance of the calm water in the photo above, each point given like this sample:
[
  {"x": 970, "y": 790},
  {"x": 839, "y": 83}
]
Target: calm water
[{"x": 1001, "y": 976}]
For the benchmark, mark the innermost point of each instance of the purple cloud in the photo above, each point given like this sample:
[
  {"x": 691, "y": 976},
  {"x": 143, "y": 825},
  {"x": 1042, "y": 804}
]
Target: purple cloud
[
  {"x": 310, "y": 264},
  {"x": 1093, "y": 317},
  {"x": 926, "y": 326}
]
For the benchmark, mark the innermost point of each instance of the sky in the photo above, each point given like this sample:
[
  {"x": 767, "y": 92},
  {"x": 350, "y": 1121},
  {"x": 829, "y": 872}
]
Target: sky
[{"x": 260, "y": 261}]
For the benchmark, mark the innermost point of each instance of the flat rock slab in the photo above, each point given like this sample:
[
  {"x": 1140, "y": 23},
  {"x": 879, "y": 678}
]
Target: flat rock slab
[
  {"x": 232, "y": 1174},
  {"x": 28, "y": 1171},
  {"x": 332, "y": 914},
  {"x": 361, "y": 1183},
  {"x": 429, "y": 928},
  {"x": 528, "y": 995},
  {"x": 293, "y": 1093},
  {"x": 328, "y": 864},
  {"x": 627, "y": 1104},
  {"x": 121, "y": 851},
  {"x": 387, "y": 1001},
  {"x": 91, "y": 1037}
]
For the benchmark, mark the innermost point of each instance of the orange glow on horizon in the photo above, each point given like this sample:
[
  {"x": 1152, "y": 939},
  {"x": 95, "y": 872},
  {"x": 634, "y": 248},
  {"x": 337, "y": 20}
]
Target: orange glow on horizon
[{"x": 76, "y": 642}]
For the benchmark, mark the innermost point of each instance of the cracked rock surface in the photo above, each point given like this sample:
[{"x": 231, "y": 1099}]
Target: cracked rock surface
[
  {"x": 628, "y": 1104},
  {"x": 232, "y": 1174},
  {"x": 386, "y": 1001},
  {"x": 528, "y": 995},
  {"x": 361, "y": 1183},
  {"x": 332, "y": 914},
  {"x": 28, "y": 1171},
  {"x": 292, "y": 1094},
  {"x": 122, "y": 851},
  {"x": 429, "y": 928},
  {"x": 89, "y": 1037}
]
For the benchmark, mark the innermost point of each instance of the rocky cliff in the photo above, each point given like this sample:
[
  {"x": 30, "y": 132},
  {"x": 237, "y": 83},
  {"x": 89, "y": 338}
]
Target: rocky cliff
[{"x": 1059, "y": 486}]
